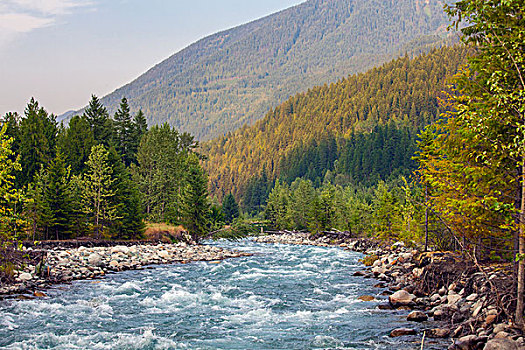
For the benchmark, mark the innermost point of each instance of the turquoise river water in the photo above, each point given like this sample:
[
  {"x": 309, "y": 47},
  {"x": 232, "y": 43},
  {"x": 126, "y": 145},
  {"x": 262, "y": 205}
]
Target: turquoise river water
[{"x": 283, "y": 297}]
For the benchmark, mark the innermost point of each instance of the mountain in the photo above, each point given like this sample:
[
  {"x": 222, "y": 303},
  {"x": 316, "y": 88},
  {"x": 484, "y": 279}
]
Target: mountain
[
  {"x": 232, "y": 78},
  {"x": 362, "y": 128}
]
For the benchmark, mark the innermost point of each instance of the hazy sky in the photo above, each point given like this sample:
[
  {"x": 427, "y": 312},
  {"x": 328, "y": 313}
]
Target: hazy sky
[{"x": 62, "y": 51}]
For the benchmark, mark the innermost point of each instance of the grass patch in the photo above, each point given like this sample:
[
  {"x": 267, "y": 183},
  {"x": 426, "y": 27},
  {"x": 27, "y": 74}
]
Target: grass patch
[{"x": 165, "y": 233}]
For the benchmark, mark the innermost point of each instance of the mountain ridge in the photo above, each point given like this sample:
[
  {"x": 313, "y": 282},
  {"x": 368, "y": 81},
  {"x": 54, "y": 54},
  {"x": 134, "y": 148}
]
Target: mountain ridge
[{"x": 233, "y": 77}]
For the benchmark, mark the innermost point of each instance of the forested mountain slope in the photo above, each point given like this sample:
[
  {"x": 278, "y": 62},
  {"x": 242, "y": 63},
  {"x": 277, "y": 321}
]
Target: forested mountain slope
[
  {"x": 233, "y": 77},
  {"x": 362, "y": 127}
]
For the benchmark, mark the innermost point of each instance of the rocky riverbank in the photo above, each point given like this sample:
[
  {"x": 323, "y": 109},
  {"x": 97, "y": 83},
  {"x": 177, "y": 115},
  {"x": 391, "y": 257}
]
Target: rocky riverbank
[
  {"x": 469, "y": 304},
  {"x": 61, "y": 265}
]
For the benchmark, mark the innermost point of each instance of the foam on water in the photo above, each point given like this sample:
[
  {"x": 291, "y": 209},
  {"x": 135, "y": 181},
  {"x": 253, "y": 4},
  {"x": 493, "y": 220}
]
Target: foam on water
[{"x": 285, "y": 297}]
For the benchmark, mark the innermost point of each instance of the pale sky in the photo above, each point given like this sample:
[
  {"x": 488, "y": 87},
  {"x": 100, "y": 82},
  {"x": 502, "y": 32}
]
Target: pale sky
[{"x": 62, "y": 51}]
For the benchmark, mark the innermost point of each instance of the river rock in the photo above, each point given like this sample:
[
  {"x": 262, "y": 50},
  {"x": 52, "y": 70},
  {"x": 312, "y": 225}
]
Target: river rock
[
  {"x": 94, "y": 259},
  {"x": 417, "y": 316},
  {"x": 469, "y": 342},
  {"x": 114, "y": 264},
  {"x": 401, "y": 298},
  {"x": 490, "y": 319},
  {"x": 402, "y": 331},
  {"x": 120, "y": 249},
  {"x": 472, "y": 297},
  {"x": 453, "y": 298},
  {"x": 366, "y": 298},
  {"x": 501, "y": 344},
  {"x": 164, "y": 254},
  {"x": 439, "y": 333},
  {"x": 25, "y": 277}
]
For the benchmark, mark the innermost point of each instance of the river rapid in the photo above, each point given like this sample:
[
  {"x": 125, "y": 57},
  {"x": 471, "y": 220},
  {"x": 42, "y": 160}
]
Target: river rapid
[{"x": 283, "y": 297}]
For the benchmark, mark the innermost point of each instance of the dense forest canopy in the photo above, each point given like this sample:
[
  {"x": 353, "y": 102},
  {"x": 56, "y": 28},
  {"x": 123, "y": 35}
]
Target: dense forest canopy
[
  {"x": 232, "y": 78},
  {"x": 99, "y": 176},
  {"x": 362, "y": 129}
]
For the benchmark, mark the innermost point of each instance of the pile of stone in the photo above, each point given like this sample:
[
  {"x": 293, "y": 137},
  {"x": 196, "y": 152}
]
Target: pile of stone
[
  {"x": 84, "y": 263},
  {"x": 466, "y": 310}
]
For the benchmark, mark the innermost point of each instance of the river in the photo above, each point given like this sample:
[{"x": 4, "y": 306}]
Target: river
[{"x": 283, "y": 297}]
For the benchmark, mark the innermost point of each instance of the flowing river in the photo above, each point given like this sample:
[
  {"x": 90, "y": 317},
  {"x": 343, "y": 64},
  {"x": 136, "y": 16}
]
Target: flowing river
[{"x": 283, "y": 297}]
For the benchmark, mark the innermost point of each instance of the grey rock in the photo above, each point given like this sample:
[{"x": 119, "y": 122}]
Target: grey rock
[
  {"x": 94, "y": 259},
  {"x": 25, "y": 277}
]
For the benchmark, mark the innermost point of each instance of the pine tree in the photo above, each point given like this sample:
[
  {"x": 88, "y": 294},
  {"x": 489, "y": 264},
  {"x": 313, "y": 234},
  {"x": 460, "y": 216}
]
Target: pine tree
[
  {"x": 98, "y": 193},
  {"x": 124, "y": 133},
  {"x": 300, "y": 210},
  {"x": 195, "y": 207},
  {"x": 38, "y": 137},
  {"x": 99, "y": 121},
  {"x": 230, "y": 209},
  {"x": 58, "y": 198},
  {"x": 127, "y": 200},
  {"x": 76, "y": 142}
]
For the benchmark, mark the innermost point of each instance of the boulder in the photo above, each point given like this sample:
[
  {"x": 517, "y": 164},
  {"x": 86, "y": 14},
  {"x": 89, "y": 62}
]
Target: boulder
[
  {"x": 366, "y": 298},
  {"x": 120, "y": 249},
  {"x": 490, "y": 319},
  {"x": 402, "y": 331},
  {"x": 25, "y": 277},
  {"x": 114, "y": 264},
  {"x": 501, "y": 344},
  {"x": 469, "y": 342},
  {"x": 164, "y": 254},
  {"x": 453, "y": 298},
  {"x": 439, "y": 333},
  {"x": 94, "y": 259},
  {"x": 401, "y": 298},
  {"x": 417, "y": 316}
]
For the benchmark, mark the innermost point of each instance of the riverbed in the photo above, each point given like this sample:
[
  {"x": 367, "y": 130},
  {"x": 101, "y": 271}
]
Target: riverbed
[{"x": 282, "y": 297}]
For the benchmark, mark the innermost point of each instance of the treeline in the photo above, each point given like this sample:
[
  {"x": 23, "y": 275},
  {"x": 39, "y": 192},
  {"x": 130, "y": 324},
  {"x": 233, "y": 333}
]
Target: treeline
[
  {"x": 393, "y": 210},
  {"x": 362, "y": 129},
  {"x": 98, "y": 176}
]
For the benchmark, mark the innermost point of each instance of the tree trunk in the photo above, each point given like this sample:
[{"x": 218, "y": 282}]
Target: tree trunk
[{"x": 521, "y": 262}]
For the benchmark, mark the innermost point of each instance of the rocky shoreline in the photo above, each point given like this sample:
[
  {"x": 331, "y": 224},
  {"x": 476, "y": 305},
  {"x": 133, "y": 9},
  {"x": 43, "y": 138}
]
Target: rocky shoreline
[
  {"x": 60, "y": 265},
  {"x": 460, "y": 300}
]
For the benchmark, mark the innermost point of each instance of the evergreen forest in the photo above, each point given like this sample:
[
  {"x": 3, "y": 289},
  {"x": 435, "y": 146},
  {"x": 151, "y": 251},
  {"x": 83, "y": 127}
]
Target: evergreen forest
[
  {"x": 360, "y": 130},
  {"x": 99, "y": 176}
]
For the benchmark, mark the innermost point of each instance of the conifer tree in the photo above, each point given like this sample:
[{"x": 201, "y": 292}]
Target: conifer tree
[
  {"x": 124, "y": 133},
  {"x": 195, "y": 207},
  {"x": 57, "y": 198},
  {"x": 76, "y": 142},
  {"x": 38, "y": 137},
  {"x": 99, "y": 121},
  {"x": 230, "y": 209},
  {"x": 98, "y": 193},
  {"x": 126, "y": 199}
]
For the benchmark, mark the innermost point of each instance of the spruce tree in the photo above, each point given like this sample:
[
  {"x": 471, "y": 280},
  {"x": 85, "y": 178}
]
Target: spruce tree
[
  {"x": 76, "y": 143},
  {"x": 127, "y": 201},
  {"x": 99, "y": 121},
  {"x": 38, "y": 136},
  {"x": 58, "y": 198},
  {"x": 124, "y": 133},
  {"x": 195, "y": 207},
  {"x": 230, "y": 209}
]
